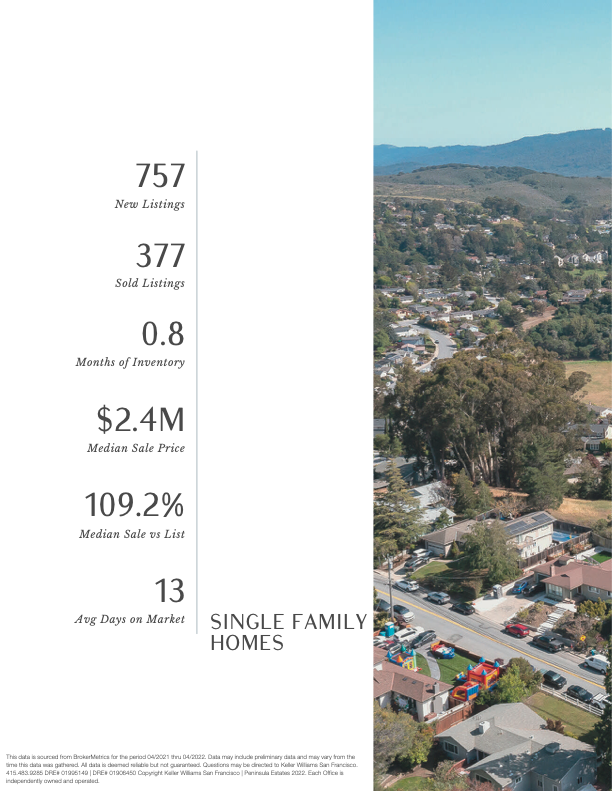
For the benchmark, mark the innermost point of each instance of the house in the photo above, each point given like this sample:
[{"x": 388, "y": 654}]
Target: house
[
  {"x": 530, "y": 534},
  {"x": 429, "y": 498},
  {"x": 558, "y": 259},
  {"x": 463, "y": 314},
  {"x": 572, "y": 259},
  {"x": 418, "y": 695},
  {"x": 593, "y": 258},
  {"x": 566, "y": 578},
  {"x": 577, "y": 296},
  {"x": 509, "y": 746},
  {"x": 423, "y": 310},
  {"x": 440, "y": 541},
  {"x": 592, "y": 434},
  {"x": 540, "y": 294}
]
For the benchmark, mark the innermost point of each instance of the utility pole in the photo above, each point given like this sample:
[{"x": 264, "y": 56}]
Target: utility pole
[{"x": 390, "y": 569}]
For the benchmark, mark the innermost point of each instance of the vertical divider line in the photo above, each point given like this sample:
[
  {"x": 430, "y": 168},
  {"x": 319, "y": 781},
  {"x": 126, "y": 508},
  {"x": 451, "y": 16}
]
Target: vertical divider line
[{"x": 196, "y": 394}]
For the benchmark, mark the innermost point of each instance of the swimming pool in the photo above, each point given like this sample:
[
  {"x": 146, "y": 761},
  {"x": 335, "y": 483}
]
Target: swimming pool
[{"x": 561, "y": 537}]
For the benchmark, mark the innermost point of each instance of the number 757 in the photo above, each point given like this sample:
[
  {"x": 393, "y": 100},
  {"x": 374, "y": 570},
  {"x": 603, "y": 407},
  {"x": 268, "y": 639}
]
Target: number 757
[{"x": 160, "y": 173}]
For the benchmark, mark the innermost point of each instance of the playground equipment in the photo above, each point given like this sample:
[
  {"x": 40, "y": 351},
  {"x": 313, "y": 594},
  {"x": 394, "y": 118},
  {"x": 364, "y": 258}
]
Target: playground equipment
[
  {"x": 477, "y": 679},
  {"x": 441, "y": 650},
  {"x": 406, "y": 659}
]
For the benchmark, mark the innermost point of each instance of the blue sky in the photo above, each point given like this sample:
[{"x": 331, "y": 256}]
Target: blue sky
[{"x": 473, "y": 72}]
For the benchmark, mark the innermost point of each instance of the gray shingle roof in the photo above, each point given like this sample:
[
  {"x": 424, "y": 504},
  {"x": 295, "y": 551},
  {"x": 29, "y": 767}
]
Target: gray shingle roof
[
  {"x": 500, "y": 717},
  {"x": 516, "y": 744}
]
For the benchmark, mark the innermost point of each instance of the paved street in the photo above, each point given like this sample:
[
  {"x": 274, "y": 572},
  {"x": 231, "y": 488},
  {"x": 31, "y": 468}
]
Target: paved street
[
  {"x": 484, "y": 637},
  {"x": 446, "y": 347}
]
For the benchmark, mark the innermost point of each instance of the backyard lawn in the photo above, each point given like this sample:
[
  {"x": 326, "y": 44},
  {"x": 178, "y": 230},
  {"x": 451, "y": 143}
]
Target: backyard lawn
[
  {"x": 422, "y": 665},
  {"x": 578, "y": 722},
  {"x": 601, "y": 557},
  {"x": 450, "y": 667},
  {"x": 413, "y": 784}
]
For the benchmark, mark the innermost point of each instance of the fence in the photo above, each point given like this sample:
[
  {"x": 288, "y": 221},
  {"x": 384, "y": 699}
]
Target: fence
[
  {"x": 446, "y": 719},
  {"x": 601, "y": 541},
  {"x": 592, "y": 709},
  {"x": 556, "y": 549}
]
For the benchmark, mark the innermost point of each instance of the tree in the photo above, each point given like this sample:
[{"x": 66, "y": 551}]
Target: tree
[
  {"x": 381, "y": 341},
  {"x": 510, "y": 688},
  {"x": 454, "y": 550},
  {"x": 444, "y": 520},
  {"x": 446, "y": 778},
  {"x": 422, "y": 744},
  {"x": 530, "y": 677},
  {"x": 479, "y": 410},
  {"x": 465, "y": 496},
  {"x": 605, "y": 446},
  {"x": 484, "y": 498},
  {"x": 394, "y": 735},
  {"x": 397, "y": 518},
  {"x": 603, "y": 728},
  {"x": 486, "y": 548},
  {"x": 541, "y": 470}
]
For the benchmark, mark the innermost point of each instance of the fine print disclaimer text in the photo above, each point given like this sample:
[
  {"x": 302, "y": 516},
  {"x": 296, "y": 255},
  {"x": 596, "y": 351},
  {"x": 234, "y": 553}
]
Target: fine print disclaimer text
[{"x": 96, "y": 768}]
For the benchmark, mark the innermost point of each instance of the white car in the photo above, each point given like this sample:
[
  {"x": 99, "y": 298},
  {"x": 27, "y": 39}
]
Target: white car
[
  {"x": 597, "y": 662},
  {"x": 600, "y": 701},
  {"x": 407, "y": 587},
  {"x": 406, "y": 636}
]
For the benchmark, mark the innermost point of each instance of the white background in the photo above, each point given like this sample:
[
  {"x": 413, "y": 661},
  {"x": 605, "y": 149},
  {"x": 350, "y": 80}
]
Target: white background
[{"x": 276, "y": 98}]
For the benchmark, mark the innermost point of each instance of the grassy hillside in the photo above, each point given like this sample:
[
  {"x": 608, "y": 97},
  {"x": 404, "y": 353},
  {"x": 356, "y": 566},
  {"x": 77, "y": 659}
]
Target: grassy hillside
[
  {"x": 469, "y": 183},
  {"x": 584, "y": 152},
  {"x": 599, "y": 390}
]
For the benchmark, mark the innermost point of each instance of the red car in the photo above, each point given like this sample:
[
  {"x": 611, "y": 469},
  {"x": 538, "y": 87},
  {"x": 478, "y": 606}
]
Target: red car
[{"x": 517, "y": 629}]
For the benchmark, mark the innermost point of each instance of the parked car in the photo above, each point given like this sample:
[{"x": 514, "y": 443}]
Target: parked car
[
  {"x": 600, "y": 700},
  {"x": 421, "y": 553},
  {"x": 519, "y": 586},
  {"x": 439, "y": 598},
  {"x": 406, "y": 614},
  {"x": 463, "y": 608},
  {"x": 533, "y": 588},
  {"x": 549, "y": 643},
  {"x": 552, "y": 679},
  {"x": 425, "y": 637},
  {"x": 597, "y": 662},
  {"x": 579, "y": 693},
  {"x": 408, "y": 634},
  {"x": 408, "y": 586},
  {"x": 383, "y": 605},
  {"x": 517, "y": 629},
  {"x": 414, "y": 563}
]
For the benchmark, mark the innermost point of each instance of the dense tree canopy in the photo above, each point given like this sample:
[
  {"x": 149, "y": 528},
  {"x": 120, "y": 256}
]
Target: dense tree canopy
[
  {"x": 481, "y": 411},
  {"x": 578, "y": 331}
]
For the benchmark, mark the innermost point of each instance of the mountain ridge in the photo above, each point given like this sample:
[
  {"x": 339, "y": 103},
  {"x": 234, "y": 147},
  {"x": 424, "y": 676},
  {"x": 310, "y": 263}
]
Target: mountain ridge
[{"x": 585, "y": 152}]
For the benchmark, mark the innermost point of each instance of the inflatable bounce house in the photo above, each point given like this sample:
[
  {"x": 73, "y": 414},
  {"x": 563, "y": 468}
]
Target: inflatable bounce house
[
  {"x": 406, "y": 659},
  {"x": 482, "y": 677},
  {"x": 441, "y": 650}
]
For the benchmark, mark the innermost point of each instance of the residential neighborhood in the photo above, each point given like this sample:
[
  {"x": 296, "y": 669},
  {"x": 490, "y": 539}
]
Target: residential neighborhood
[{"x": 492, "y": 486}]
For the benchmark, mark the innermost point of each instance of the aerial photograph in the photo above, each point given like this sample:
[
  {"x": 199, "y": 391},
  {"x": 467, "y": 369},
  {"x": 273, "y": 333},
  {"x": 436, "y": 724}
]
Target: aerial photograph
[{"x": 492, "y": 441}]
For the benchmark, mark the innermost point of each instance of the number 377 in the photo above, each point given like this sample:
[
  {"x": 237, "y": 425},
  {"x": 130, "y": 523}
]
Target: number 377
[{"x": 160, "y": 173}]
